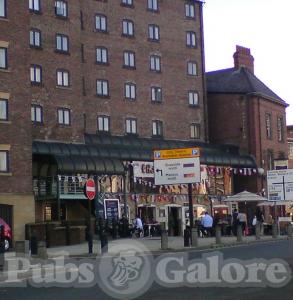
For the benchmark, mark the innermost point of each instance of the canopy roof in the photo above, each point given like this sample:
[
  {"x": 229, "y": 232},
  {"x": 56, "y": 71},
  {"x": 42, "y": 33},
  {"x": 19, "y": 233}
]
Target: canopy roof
[{"x": 246, "y": 196}]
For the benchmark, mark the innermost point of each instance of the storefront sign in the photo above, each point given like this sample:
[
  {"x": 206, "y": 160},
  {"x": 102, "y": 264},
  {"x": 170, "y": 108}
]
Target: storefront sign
[
  {"x": 112, "y": 209},
  {"x": 143, "y": 169}
]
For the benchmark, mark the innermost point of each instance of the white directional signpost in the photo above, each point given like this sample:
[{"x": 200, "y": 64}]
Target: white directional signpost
[
  {"x": 280, "y": 185},
  {"x": 178, "y": 166}
]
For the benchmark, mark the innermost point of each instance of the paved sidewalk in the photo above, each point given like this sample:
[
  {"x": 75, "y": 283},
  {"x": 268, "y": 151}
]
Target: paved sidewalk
[{"x": 154, "y": 244}]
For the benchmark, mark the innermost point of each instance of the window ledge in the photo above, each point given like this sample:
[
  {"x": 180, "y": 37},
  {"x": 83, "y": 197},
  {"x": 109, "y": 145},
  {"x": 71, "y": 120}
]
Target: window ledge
[
  {"x": 4, "y": 19},
  {"x": 156, "y": 102},
  {"x": 103, "y": 96},
  {"x": 5, "y": 70},
  {"x": 63, "y": 87},
  {"x": 128, "y": 36},
  {"x": 5, "y": 122},
  {"x": 62, "y": 52},
  {"x": 36, "y": 47},
  {"x": 5, "y": 174},
  {"x": 101, "y": 31},
  {"x": 128, "y": 67}
]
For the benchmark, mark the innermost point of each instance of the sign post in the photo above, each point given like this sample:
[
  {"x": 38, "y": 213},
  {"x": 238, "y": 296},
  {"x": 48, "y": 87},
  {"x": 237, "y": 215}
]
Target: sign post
[
  {"x": 178, "y": 166},
  {"x": 90, "y": 193}
]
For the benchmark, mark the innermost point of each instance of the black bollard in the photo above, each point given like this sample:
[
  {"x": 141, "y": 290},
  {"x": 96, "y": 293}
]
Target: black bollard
[
  {"x": 104, "y": 243},
  {"x": 90, "y": 242},
  {"x": 34, "y": 244},
  {"x": 2, "y": 247},
  {"x": 186, "y": 238}
]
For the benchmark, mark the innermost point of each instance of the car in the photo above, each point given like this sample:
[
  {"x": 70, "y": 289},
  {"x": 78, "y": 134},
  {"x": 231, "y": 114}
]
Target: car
[{"x": 7, "y": 234}]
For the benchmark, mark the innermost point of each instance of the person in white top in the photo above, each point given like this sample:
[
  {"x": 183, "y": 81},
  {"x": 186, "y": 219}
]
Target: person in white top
[{"x": 139, "y": 226}]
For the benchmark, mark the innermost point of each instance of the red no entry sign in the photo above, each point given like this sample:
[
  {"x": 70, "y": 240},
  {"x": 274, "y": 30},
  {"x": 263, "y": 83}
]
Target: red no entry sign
[{"x": 90, "y": 189}]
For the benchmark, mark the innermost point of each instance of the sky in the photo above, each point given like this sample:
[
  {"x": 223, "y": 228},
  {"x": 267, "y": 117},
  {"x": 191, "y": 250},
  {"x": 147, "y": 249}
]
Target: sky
[{"x": 264, "y": 26}]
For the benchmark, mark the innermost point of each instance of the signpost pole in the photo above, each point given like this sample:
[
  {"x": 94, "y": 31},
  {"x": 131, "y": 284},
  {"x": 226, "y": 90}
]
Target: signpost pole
[
  {"x": 190, "y": 205},
  {"x": 90, "y": 232}
]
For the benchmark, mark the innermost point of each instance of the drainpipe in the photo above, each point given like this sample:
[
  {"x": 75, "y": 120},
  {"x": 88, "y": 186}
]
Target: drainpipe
[
  {"x": 204, "y": 92},
  {"x": 260, "y": 137}
]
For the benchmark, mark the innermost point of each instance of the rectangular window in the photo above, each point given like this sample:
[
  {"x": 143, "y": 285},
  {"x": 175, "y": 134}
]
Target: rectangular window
[
  {"x": 62, "y": 78},
  {"x": 154, "y": 32},
  {"x": 156, "y": 94},
  {"x": 35, "y": 38},
  {"x": 102, "y": 88},
  {"x": 189, "y": 10},
  {"x": 104, "y": 123},
  {"x": 192, "y": 68},
  {"x": 62, "y": 44},
  {"x": 61, "y": 9},
  {"x": 280, "y": 129},
  {"x": 193, "y": 98},
  {"x": 3, "y": 58},
  {"x": 130, "y": 91},
  {"x": 155, "y": 63},
  {"x": 35, "y": 5},
  {"x": 127, "y": 2},
  {"x": 3, "y": 110},
  {"x": 2, "y": 8},
  {"x": 153, "y": 5},
  {"x": 102, "y": 55},
  {"x": 63, "y": 116},
  {"x": 3, "y": 161},
  {"x": 195, "y": 131},
  {"x": 131, "y": 126},
  {"x": 36, "y": 74},
  {"x": 101, "y": 23},
  {"x": 157, "y": 128},
  {"x": 190, "y": 39},
  {"x": 129, "y": 59},
  {"x": 127, "y": 28},
  {"x": 268, "y": 125},
  {"x": 36, "y": 113},
  {"x": 270, "y": 159}
]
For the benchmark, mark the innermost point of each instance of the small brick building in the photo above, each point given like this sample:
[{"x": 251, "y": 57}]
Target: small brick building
[{"x": 243, "y": 111}]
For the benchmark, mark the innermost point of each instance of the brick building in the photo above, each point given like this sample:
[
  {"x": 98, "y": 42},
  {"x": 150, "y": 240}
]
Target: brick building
[
  {"x": 290, "y": 146},
  {"x": 243, "y": 111},
  {"x": 86, "y": 88}
]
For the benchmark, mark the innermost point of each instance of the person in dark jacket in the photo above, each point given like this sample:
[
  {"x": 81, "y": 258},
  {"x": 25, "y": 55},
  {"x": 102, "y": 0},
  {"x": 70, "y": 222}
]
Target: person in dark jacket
[{"x": 235, "y": 222}]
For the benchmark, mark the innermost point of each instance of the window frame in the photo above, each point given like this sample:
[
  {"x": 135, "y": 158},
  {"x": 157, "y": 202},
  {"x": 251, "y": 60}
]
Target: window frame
[
  {"x": 128, "y": 33},
  {"x": 4, "y": 15},
  {"x": 63, "y": 16},
  {"x": 154, "y": 92},
  {"x": 280, "y": 129},
  {"x": 5, "y": 51},
  {"x": 157, "y": 128},
  {"x": 36, "y": 67},
  {"x": 35, "y": 31},
  {"x": 191, "y": 67},
  {"x": 62, "y": 72},
  {"x": 127, "y": 4},
  {"x": 62, "y": 38},
  {"x": 268, "y": 126},
  {"x": 152, "y": 7},
  {"x": 157, "y": 63},
  {"x": 103, "y": 95},
  {"x": 34, "y": 108},
  {"x": 100, "y": 17},
  {"x": 103, "y": 118},
  {"x": 64, "y": 110},
  {"x": 131, "y": 121},
  {"x": 32, "y": 6},
  {"x": 130, "y": 91},
  {"x": 195, "y": 127},
  {"x": 6, "y": 111},
  {"x": 6, "y": 157},
  {"x": 153, "y": 35},
  {"x": 103, "y": 50},
  {"x": 190, "y": 38},
  {"x": 193, "y": 103},
  {"x": 187, "y": 7},
  {"x": 127, "y": 55}
]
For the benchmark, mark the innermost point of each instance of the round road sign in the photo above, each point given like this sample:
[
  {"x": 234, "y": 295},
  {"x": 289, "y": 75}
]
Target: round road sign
[{"x": 90, "y": 189}]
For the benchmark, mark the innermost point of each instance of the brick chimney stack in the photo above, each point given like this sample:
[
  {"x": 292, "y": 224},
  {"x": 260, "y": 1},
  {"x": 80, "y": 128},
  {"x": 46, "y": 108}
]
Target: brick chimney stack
[{"x": 243, "y": 58}]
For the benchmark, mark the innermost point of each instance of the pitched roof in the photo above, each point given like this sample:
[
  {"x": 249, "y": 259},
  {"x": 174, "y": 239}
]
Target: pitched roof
[{"x": 239, "y": 81}]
